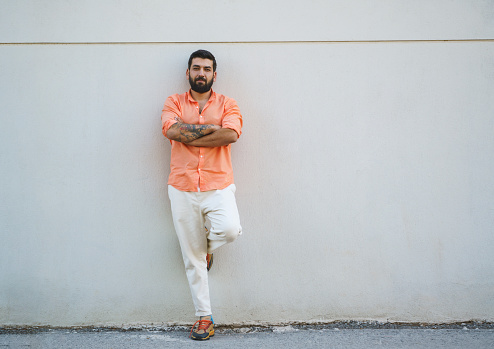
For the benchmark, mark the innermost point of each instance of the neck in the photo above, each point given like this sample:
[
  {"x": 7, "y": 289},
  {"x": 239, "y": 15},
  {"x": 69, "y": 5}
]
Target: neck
[{"x": 200, "y": 96}]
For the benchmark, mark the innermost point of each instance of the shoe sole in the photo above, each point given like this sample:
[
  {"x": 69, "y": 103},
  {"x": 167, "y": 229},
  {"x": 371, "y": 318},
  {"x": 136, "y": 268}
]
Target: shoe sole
[
  {"x": 211, "y": 334},
  {"x": 210, "y": 264}
]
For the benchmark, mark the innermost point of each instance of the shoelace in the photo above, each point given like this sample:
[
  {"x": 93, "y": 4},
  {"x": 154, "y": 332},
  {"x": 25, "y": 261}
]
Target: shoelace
[{"x": 203, "y": 325}]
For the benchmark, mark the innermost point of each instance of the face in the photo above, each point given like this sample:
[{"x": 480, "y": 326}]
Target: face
[{"x": 201, "y": 75}]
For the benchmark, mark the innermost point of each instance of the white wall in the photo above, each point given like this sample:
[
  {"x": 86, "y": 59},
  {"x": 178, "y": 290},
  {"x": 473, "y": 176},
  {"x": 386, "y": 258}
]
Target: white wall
[{"x": 364, "y": 173}]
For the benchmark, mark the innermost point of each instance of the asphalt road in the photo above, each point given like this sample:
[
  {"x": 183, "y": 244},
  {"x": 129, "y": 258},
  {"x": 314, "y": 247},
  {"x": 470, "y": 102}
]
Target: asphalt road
[{"x": 282, "y": 337}]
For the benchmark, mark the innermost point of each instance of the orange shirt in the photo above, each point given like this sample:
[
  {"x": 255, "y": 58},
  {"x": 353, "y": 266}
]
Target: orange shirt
[{"x": 205, "y": 168}]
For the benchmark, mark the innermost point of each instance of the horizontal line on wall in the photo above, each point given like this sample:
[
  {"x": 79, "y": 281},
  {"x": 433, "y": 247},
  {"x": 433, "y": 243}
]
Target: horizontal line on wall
[{"x": 246, "y": 42}]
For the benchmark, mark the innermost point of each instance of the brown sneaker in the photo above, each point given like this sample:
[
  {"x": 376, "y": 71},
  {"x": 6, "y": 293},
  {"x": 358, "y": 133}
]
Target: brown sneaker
[
  {"x": 204, "y": 330},
  {"x": 209, "y": 260}
]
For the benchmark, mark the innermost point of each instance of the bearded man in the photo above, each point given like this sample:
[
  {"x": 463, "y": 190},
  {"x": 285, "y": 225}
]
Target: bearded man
[{"x": 201, "y": 126}]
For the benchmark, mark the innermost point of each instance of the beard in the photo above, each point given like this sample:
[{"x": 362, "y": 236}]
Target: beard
[{"x": 200, "y": 88}]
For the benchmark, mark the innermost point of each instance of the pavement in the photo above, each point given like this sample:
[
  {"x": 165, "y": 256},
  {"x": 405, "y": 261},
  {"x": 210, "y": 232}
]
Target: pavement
[{"x": 251, "y": 337}]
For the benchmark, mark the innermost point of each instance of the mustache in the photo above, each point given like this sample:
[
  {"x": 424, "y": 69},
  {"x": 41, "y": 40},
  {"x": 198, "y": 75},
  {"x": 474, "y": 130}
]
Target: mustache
[{"x": 200, "y": 79}]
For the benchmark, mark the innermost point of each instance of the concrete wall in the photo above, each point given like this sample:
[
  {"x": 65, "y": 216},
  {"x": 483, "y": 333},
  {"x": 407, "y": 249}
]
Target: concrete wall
[{"x": 364, "y": 175}]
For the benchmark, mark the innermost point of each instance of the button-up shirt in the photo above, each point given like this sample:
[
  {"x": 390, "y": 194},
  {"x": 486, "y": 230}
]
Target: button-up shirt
[{"x": 201, "y": 168}]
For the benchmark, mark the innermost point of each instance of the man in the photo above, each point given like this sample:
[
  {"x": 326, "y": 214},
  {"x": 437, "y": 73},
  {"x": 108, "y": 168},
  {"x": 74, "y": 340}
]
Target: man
[{"x": 201, "y": 125}]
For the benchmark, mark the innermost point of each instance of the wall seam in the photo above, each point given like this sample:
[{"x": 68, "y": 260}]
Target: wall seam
[{"x": 245, "y": 42}]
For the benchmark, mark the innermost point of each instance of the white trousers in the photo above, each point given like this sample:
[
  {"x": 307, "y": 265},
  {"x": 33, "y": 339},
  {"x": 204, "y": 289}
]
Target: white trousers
[{"x": 192, "y": 212}]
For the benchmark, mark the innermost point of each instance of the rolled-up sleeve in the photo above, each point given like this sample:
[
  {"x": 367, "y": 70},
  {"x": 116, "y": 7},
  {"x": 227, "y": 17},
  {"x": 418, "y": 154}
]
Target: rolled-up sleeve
[
  {"x": 168, "y": 114},
  {"x": 232, "y": 118}
]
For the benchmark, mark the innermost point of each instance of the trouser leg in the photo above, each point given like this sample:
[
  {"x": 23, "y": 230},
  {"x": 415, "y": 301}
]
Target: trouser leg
[
  {"x": 220, "y": 207},
  {"x": 189, "y": 226}
]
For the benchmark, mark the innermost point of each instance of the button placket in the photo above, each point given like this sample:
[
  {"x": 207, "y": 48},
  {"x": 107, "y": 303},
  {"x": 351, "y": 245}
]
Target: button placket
[
  {"x": 201, "y": 160},
  {"x": 201, "y": 116},
  {"x": 200, "y": 164}
]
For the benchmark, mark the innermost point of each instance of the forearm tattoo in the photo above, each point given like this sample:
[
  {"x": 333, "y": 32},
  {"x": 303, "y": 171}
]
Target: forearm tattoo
[{"x": 190, "y": 132}]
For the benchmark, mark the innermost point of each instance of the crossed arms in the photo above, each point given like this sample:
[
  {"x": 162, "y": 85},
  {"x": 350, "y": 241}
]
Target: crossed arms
[{"x": 199, "y": 135}]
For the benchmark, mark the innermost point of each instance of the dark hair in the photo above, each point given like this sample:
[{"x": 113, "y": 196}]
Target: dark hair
[{"x": 203, "y": 54}]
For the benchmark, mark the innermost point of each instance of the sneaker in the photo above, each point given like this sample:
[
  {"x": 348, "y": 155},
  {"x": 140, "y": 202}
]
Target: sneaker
[
  {"x": 209, "y": 260},
  {"x": 205, "y": 329}
]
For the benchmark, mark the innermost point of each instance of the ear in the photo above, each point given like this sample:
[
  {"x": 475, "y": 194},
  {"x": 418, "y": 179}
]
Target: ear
[
  {"x": 214, "y": 76},
  {"x": 187, "y": 74}
]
